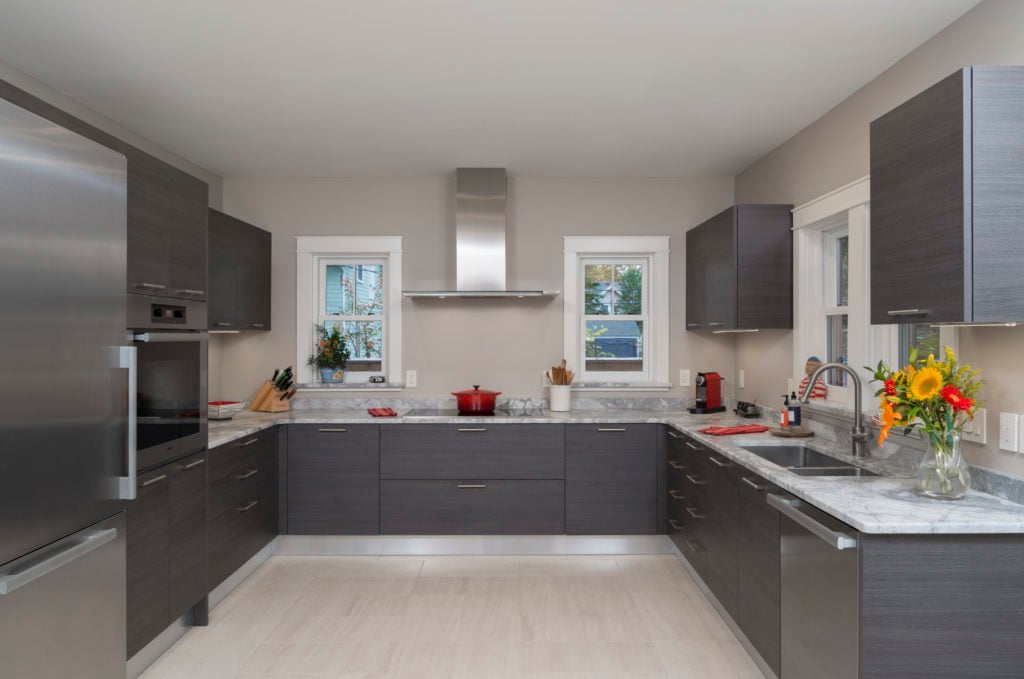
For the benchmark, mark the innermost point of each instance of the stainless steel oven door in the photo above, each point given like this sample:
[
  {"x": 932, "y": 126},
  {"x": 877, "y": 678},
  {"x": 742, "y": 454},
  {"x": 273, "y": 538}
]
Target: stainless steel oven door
[{"x": 171, "y": 395}]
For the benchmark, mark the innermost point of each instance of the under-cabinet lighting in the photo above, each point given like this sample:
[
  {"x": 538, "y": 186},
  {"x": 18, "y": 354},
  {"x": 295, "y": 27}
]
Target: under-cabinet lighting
[
  {"x": 1011, "y": 324},
  {"x": 223, "y": 332}
]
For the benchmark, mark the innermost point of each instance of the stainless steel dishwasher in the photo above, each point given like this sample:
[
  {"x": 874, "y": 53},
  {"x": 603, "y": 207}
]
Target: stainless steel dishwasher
[{"x": 820, "y": 593}]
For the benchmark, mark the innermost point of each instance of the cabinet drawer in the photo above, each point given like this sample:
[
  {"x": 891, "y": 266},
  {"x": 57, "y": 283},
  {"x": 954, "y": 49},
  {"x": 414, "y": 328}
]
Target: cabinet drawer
[
  {"x": 236, "y": 535},
  {"x": 482, "y": 451},
  {"x": 472, "y": 507},
  {"x": 249, "y": 478},
  {"x": 236, "y": 456}
]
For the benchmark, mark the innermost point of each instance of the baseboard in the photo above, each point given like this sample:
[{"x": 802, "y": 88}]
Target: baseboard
[
  {"x": 468, "y": 545},
  {"x": 724, "y": 615},
  {"x": 221, "y": 591}
]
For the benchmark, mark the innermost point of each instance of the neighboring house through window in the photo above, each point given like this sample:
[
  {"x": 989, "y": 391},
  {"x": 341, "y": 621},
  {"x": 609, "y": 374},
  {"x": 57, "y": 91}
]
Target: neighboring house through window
[
  {"x": 354, "y": 283},
  {"x": 616, "y": 307}
]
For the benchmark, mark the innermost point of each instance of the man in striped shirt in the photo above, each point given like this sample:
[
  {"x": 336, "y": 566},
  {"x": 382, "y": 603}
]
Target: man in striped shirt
[{"x": 819, "y": 390}]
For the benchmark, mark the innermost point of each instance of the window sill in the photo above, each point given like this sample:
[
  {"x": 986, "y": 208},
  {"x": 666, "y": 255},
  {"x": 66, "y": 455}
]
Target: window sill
[
  {"x": 350, "y": 386},
  {"x": 621, "y": 386}
]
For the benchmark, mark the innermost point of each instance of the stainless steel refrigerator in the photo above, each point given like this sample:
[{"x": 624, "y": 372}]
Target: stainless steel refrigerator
[{"x": 66, "y": 392}]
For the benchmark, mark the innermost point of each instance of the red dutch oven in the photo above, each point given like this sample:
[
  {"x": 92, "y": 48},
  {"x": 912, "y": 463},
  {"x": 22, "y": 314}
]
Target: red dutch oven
[{"x": 476, "y": 400}]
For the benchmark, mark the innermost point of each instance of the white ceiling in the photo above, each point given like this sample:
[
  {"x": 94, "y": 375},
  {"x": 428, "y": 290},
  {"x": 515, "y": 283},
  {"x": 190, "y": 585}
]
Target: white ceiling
[{"x": 641, "y": 88}]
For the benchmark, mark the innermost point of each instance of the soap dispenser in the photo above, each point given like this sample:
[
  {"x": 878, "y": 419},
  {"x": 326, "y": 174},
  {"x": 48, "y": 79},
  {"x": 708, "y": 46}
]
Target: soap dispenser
[
  {"x": 794, "y": 410},
  {"x": 784, "y": 413}
]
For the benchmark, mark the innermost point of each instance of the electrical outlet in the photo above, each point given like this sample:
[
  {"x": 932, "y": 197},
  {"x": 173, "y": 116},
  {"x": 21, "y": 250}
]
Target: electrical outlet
[
  {"x": 974, "y": 430},
  {"x": 410, "y": 379},
  {"x": 740, "y": 381},
  {"x": 1008, "y": 432},
  {"x": 684, "y": 378}
]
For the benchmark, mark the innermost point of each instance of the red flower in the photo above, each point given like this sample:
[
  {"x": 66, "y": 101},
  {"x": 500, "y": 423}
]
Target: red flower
[
  {"x": 953, "y": 397},
  {"x": 890, "y": 387}
]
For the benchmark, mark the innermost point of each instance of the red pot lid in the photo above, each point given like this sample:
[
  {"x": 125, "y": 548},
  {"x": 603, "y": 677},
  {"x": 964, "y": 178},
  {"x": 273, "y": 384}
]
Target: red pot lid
[{"x": 476, "y": 390}]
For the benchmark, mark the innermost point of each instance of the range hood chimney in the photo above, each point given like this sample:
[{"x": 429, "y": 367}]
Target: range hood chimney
[{"x": 481, "y": 198}]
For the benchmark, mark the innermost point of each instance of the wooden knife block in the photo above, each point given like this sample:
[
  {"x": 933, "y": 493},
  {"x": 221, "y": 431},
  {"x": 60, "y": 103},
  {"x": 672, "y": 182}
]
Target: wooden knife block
[{"x": 268, "y": 400}]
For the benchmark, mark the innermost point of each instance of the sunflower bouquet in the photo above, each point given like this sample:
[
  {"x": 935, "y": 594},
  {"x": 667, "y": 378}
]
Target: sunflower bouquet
[{"x": 939, "y": 399}]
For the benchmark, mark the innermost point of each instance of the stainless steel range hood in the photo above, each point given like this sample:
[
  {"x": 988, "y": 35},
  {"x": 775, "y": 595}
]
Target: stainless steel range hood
[{"x": 481, "y": 196}]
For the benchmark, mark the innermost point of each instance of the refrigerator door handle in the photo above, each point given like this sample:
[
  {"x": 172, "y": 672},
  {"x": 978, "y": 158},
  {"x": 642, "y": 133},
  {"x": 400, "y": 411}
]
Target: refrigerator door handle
[
  {"x": 31, "y": 571},
  {"x": 126, "y": 485}
]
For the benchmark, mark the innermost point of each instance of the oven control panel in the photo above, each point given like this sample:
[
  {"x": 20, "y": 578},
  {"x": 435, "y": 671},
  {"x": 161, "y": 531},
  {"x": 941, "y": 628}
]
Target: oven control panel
[{"x": 168, "y": 314}]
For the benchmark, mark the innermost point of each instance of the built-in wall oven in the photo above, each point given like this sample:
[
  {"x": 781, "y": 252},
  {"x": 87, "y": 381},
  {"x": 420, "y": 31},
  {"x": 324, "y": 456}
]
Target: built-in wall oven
[{"x": 171, "y": 391}]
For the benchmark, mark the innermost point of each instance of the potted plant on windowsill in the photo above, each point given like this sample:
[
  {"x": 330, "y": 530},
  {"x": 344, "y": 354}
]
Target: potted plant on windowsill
[{"x": 331, "y": 355}]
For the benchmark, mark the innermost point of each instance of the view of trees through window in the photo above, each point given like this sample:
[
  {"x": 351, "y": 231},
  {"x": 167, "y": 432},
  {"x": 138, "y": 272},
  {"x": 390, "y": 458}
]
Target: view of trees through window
[
  {"x": 354, "y": 300},
  {"x": 614, "y": 316}
]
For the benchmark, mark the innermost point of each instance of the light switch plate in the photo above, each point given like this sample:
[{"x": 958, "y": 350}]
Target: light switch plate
[
  {"x": 740, "y": 379},
  {"x": 1009, "y": 425},
  {"x": 684, "y": 378},
  {"x": 410, "y": 379},
  {"x": 975, "y": 430}
]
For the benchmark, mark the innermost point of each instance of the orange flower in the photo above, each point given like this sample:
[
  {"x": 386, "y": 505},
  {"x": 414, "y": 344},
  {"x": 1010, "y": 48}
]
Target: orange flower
[{"x": 889, "y": 419}]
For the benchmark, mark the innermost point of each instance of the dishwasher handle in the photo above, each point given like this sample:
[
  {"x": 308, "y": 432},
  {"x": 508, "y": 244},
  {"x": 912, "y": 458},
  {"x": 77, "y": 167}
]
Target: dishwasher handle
[{"x": 791, "y": 509}]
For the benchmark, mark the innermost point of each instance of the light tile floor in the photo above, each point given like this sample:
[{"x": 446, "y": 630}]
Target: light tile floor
[{"x": 464, "y": 617}]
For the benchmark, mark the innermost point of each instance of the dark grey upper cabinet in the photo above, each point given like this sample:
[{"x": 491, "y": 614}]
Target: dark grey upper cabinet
[
  {"x": 166, "y": 229},
  {"x": 947, "y": 192},
  {"x": 239, "y": 274},
  {"x": 739, "y": 270}
]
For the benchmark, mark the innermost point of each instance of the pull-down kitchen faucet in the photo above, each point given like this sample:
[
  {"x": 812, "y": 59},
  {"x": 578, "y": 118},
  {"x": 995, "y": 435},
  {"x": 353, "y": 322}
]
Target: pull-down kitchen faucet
[{"x": 860, "y": 434}]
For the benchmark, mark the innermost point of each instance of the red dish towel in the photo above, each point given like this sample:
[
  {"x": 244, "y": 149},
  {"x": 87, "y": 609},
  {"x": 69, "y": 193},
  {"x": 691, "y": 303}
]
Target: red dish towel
[
  {"x": 739, "y": 429},
  {"x": 381, "y": 412}
]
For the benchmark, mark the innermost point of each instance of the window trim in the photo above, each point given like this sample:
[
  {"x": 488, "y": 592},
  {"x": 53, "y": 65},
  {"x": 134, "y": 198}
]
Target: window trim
[
  {"x": 656, "y": 352},
  {"x": 309, "y": 251}
]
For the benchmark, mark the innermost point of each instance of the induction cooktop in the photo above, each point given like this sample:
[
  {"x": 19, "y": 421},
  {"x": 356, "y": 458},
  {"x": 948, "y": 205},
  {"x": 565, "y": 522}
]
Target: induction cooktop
[{"x": 452, "y": 412}]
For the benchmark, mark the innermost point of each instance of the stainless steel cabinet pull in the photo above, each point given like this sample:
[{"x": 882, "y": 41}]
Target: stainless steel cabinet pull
[
  {"x": 753, "y": 484},
  {"x": 611, "y": 429},
  {"x": 790, "y": 508},
  {"x": 694, "y": 481},
  {"x": 334, "y": 430},
  {"x": 223, "y": 324},
  {"x": 186, "y": 291},
  {"x": 715, "y": 324},
  {"x": 23, "y": 571},
  {"x": 249, "y": 505},
  {"x": 675, "y": 465},
  {"x": 674, "y": 435},
  {"x": 693, "y": 325},
  {"x": 675, "y": 495},
  {"x": 907, "y": 312},
  {"x": 694, "y": 545},
  {"x": 695, "y": 513},
  {"x": 255, "y": 325},
  {"x": 127, "y": 486},
  {"x": 719, "y": 463},
  {"x": 193, "y": 465},
  {"x": 150, "y": 286},
  {"x": 675, "y": 524},
  {"x": 155, "y": 479},
  {"x": 250, "y": 473},
  {"x": 248, "y": 443},
  {"x": 469, "y": 429},
  {"x": 472, "y": 485},
  {"x": 692, "y": 446}
]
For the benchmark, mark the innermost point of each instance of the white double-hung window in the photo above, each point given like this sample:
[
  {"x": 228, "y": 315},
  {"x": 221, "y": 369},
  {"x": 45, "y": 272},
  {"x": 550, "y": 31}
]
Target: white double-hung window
[
  {"x": 355, "y": 284},
  {"x": 616, "y": 310}
]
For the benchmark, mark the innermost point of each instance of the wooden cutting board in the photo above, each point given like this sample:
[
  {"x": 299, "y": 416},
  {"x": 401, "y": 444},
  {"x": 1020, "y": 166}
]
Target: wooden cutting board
[{"x": 791, "y": 432}]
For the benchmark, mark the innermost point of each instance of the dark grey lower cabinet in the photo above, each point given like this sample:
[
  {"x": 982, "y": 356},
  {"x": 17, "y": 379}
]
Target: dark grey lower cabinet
[
  {"x": 758, "y": 606},
  {"x": 941, "y": 606},
  {"x": 243, "y": 502},
  {"x": 611, "y": 479},
  {"x": 166, "y": 548},
  {"x": 333, "y": 479},
  {"x": 472, "y": 507}
]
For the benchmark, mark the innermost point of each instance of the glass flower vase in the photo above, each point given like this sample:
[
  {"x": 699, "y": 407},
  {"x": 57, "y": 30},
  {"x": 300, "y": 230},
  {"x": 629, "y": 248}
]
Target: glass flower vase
[{"x": 943, "y": 474}]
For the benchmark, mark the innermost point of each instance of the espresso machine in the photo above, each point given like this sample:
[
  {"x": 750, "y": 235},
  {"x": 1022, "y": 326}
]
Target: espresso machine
[{"x": 709, "y": 394}]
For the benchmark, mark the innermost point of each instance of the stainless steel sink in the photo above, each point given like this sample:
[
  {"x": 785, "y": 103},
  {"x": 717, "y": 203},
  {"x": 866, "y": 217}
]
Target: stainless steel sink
[{"x": 805, "y": 461}]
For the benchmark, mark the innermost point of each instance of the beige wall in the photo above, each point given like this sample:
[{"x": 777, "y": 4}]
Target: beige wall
[
  {"x": 833, "y": 151},
  {"x": 456, "y": 343}
]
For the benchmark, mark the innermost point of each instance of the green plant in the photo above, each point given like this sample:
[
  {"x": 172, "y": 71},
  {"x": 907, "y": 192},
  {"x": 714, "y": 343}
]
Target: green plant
[{"x": 331, "y": 349}]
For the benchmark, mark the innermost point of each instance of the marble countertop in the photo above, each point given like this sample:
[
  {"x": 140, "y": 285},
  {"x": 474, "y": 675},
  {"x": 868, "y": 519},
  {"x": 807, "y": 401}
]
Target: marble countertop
[{"x": 884, "y": 504}]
